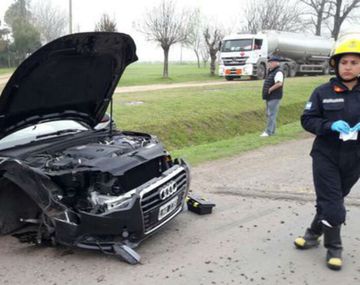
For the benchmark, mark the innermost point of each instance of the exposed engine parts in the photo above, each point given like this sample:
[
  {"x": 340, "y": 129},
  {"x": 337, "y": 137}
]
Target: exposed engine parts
[
  {"x": 77, "y": 156},
  {"x": 85, "y": 183}
]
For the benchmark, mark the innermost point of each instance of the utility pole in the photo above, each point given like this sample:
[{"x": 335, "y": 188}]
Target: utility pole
[{"x": 70, "y": 16}]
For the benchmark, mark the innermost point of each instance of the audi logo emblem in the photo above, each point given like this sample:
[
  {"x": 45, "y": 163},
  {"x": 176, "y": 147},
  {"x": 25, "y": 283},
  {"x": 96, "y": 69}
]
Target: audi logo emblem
[{"x": 167, "y": 190}]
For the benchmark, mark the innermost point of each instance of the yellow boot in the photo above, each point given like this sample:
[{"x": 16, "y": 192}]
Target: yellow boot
[
  {"x": 332, "y": 241},
  {"x": 309, "y": 240},
  {"x": 311, "y": 237}
]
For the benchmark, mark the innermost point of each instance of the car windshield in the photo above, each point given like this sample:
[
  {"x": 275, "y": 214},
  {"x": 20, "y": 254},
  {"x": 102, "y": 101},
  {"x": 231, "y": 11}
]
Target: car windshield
[
  {"x": 41, "y": 131},
  {"x": 237, "y": 45}
]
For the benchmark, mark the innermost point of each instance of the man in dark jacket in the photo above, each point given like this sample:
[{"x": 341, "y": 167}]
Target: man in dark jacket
[{"x": 272, "y": 93}]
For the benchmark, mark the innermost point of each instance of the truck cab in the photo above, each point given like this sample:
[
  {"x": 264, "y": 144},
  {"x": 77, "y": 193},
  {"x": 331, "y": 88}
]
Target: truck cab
[{"x": 243, "y": 55}]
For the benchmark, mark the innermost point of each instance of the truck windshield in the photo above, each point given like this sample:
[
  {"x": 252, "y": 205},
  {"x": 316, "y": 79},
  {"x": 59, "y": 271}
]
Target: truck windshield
[{"x": 237, "y": 45}]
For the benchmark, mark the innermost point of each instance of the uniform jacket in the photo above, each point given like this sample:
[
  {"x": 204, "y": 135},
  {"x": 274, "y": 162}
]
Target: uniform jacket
[
  {"x": 270, "y": 81},
  {"x": 331, "y": 102}
]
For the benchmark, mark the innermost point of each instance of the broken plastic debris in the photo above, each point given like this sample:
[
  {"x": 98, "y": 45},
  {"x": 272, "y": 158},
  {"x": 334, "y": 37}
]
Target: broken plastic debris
[{"x": 126, "y": 253}]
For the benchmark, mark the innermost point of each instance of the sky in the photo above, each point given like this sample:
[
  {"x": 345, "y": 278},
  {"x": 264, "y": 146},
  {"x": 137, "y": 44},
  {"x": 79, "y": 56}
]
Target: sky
[{"x": 86, "y": 13}]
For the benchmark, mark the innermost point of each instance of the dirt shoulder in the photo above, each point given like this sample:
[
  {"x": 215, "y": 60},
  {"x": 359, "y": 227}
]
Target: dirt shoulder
[
  {"x": 280, "y": 171},
  {"x": 153, "y": 87},
  {"x": 140, "y": 88},
  {"x": 3, "y": 79}
]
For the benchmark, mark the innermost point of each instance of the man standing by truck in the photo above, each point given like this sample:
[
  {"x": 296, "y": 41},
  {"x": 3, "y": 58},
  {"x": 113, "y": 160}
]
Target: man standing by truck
[{"x": 272, "y": 93}]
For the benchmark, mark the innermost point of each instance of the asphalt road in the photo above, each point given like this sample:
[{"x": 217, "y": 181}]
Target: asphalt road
[{"x": 263, "y": 202}]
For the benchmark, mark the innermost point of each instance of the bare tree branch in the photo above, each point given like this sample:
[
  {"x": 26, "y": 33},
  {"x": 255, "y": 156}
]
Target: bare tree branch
[
  {"x": 195, "y": 38},
  {"x": 166, "y": 25},
  {"x": 50, "y": 20},
  {"x": 272, "y": 15},
  {"x": 320, "y": 11},
  {"x": 342, "y": 10},
  {"x": 106, "y": 24},
  {"x": 213, "y": 36},
  {"x": 205, "y": 55}
]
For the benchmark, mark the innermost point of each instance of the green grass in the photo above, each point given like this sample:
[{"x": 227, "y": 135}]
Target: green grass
[
  {"x": 186, "y": 117},
  {"x": 6, "y": 70},
  {"x": 236, "y": 145},
  {"x": 151, "y": 73}
]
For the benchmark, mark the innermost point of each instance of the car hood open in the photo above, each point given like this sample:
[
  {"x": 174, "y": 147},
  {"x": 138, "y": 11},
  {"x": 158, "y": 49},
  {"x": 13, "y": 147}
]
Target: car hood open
[{"x": 72, "y": 77}]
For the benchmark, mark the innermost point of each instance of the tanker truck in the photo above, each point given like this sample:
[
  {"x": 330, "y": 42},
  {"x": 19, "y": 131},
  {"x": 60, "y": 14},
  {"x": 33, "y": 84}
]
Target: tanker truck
[{"x": 246, "y": 54}]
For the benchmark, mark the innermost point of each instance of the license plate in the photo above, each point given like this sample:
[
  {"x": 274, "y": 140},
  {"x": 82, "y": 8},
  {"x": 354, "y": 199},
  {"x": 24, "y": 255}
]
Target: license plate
[{"x": 167, "y": 208}]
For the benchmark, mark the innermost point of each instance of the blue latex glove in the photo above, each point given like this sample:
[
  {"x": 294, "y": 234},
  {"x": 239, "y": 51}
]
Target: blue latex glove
[
  {"x": 340, "y": 126},
  {"x": 356, "y": 128}
]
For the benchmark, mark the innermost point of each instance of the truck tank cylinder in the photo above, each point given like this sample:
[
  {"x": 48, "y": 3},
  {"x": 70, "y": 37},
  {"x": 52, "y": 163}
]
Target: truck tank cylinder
[{"x": 298, "y": 46}]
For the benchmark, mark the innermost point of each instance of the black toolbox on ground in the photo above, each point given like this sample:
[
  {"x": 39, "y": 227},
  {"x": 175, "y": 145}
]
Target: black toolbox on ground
[{"x": 199, "y": 205}]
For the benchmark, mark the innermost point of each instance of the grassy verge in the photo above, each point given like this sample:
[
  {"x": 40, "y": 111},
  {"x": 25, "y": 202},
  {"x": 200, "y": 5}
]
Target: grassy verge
[
  {"x": 237, "y": 145},
  {"x": 146, "y": 73},
  {"x": 188, "y": 117},
  {"x": 6, "y": 70},
  {"x": 151, "y": 73}
]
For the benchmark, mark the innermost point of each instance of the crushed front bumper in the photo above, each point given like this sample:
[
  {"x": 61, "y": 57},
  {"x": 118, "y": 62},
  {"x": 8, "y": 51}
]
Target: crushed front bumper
[{"x": 148, "y": 208}]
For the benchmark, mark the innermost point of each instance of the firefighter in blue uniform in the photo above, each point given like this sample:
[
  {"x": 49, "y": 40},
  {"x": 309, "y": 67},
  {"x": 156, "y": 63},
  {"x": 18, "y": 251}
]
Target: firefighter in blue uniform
[{"x": 333, "y": 115}]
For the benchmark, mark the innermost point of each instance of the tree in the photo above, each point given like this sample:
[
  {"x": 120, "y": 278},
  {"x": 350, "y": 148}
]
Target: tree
[
  {"x": 4, "y": 32},
  {"x": 17, "y": 12},
  {"x": 51, "y": 21},
  {"x": 195, "y": 37},
  {"x": 341, "y": 11},
  {"x": 26, "y": 37},
  {"x": 106, "y": 24},
  {"x": 281, "y": 15},
  {"x": 213, "y": 36},
  {"x": 204, "y": 51},
  {"x": 26, "y": 41},
  {"x": 319, "y": 12},
  {"x": 4, "y": 46},
  {"x": 166, "y": 25}
]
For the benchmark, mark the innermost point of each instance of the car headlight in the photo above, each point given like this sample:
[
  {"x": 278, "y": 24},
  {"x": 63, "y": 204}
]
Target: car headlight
[
  {"x": 111, "y": 202},
  {"x": 119, "y": 204}
]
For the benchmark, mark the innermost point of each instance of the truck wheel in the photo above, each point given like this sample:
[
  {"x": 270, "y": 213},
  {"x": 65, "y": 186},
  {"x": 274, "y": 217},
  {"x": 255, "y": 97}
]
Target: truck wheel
[
  {"x": 286, "y": 70},
  {"x": 326, "y": 69},
  {"x": 292, "y": 72},
  {"x": 261, "y": 71},
  {"x": 229, "y": 78}
]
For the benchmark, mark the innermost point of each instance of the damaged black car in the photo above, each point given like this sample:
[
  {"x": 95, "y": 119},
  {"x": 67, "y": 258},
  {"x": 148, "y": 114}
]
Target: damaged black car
[{"x": 65, "y": 180}]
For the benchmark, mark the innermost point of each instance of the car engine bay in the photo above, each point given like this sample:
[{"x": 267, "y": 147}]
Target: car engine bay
[{"x": 79, "y": 171}]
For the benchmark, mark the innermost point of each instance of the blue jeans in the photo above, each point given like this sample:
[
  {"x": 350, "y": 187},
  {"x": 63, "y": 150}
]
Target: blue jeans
[{"x": 272, "y": 109}]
